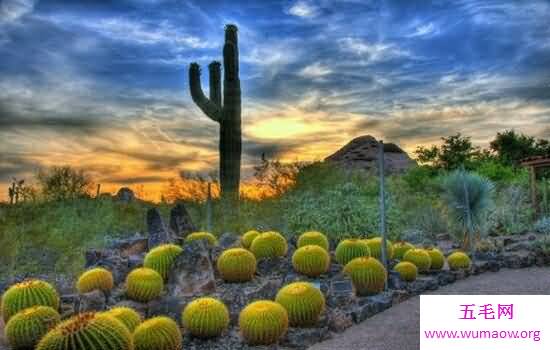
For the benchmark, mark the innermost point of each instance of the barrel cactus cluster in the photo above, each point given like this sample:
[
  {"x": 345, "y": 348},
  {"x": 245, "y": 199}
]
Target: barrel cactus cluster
[
  {"x": 202, "y": 235},
  {"x": 375, "y": 247},
  {"x": 32, "y": 292},
  {"x": 144, "y": 284},
  {"x": 313, "y": 238},
  {"x": 420, "y": 258},
  {"x": 311, "y": 260},
  {"x": 27, "y": 327},
  {"x": 263, "y": 322},
  {"x": 303, "y": 302},
  {"x": 248, "y": 237},
  {"x": 400, "y": 248},
  {"x": 128, "y": 316},
  {"x": 367, "y": 274},
  {"x": 407, "y": 271},
  {"x": 161, "y": 258},
  {"x": 437, "y": 257},
  {"x": 459, "y": 261},
  {"x": 205, "y": 317},
  {"x": 157, "y": 333},
  {"x": 236, "y": 265},
  {"x": 269, "y": 244}
]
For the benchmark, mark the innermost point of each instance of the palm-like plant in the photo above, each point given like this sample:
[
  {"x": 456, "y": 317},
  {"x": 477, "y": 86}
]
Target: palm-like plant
[{"x": 468, "y": 197}]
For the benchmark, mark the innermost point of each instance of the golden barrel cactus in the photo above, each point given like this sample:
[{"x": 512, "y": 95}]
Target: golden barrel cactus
[
  {"x": 248, "y": 237},
  {"x": 144, "y": 284},
  {"x": 88, "y": 331},
  {"x": 28, "y": 326},
  {"x": 161, "y": 258},
  {"x": 28, "y": 293},
  {"x": 420, "y": 258},
  {"x": 269, "y": 244},
  {"x": 195, "y": 236},
  {"x": 459, "y": 261},
  {"x": 263, "y": 322},
  {"x": 128, "y": 316},
  {"x": 236, "y": 265},
  {"x": 349, "y": 249},
  {"x": 407, "y": 271},
  {"x": 311, "y": 260},
  {"x": 375, "y": 247},
  {"x": 158, "y": 333},
  {"x": 367, "y": 274},
  {"x": 95, "y": 279},
  {"x": 438, "y": 259},
  {"x": 303, "y": 302},
  {"x": 400, "y": 248},
  {"x": 205, "y": 318},
  {"x": 313, "y": 238}
]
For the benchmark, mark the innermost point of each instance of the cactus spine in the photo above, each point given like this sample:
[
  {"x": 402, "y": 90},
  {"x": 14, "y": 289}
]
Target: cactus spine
[
  {"x": 236, "y": 265},
  {"x": 303, "y": 302},
  {"x": 349, "y": 249},
  {"x": 407, "y": 271},
  {"x": 158, "y": 333},
  {"x": 438, "y": 259},
  {"x": 313, "y": 238},
  {"x": 367, "y": 274},
  {"x": 311, "y": 260},
  {"x": 96, "y": 278},
  {"x": 458, "y": 261},
  {"x": 26, "y": 328},
  {"x": 88, "y": 331},
  {"x": 28, "y": 293},
  {"x": 263, "y": 322},
  {"x": 128, "y": 316},
  {"x": 144, "y": 284},
  {"x": 227, "y": 115},
  {"x": 161, "y": 258},
  {"x": 205, "y": 317}
]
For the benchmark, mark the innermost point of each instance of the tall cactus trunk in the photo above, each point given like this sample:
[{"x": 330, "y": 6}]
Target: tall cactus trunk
[{"x": 227, "y": 112}]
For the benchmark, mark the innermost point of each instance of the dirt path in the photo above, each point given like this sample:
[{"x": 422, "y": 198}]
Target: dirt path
[{"x": 398, "y": 327}]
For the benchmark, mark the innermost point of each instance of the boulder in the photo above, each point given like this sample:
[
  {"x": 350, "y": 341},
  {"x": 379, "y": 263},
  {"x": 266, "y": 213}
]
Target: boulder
[
  {"x": 362, "y": 153},
  {"x": 180, "y": 221},
  {"x": 192, "y": 273},
  {"x": 125, "y": 195},
  {"x": 157, "y": 230}
]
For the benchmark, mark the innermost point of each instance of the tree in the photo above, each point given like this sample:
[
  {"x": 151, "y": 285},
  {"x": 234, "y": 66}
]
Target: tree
[
  {"x": 63, "y": 183},
  {"x": 455, "y": 151},
  {"x": 228, "y": 114},
  {"x": 510, "y": 147}
]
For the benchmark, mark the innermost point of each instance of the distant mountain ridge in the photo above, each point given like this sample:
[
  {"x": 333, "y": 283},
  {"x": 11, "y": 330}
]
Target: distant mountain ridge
[{"x": 362, "y": 153}]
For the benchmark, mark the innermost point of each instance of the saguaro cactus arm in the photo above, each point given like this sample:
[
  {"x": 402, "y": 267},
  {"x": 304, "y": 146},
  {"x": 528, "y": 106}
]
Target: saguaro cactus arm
[
  {"x": 210, "y": 108},
  {"x": 215, "y": 72}
]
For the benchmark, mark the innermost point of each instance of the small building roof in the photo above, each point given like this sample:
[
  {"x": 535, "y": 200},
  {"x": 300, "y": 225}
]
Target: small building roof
[{"x": 536, "y": 161}]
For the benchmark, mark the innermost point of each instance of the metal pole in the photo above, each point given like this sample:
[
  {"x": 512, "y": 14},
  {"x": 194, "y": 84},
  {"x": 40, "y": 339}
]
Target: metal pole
[
  {"x": 382, "y": 209},
  {"x": 469, "y": 227},
  {"x": 209, "y": 208}
]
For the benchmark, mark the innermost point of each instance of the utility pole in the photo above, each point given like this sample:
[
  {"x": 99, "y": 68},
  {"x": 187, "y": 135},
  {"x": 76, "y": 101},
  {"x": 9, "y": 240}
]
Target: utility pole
[{"x": 382, "y": 196}]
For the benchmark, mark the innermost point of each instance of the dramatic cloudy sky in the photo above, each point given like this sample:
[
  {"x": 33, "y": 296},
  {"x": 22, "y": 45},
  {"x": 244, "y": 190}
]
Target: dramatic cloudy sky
[{"x": 103, "y": 84}]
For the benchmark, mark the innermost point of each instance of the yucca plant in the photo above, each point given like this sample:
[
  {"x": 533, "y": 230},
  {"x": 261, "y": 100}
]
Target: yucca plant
[{"x": 468, "y": 197}]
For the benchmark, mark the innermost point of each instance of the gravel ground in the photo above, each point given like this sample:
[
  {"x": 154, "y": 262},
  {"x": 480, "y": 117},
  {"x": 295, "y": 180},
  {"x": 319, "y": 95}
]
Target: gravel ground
[{"x": 398, "y": 327}]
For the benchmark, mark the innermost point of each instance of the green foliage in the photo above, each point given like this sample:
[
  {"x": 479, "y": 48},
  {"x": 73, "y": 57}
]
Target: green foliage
[
  {"x": 205, "y": 317},
  {"x": 60, "y": 183},
  {"x": 437, "y": 257},
  {"x": 27, "y": 327},
  {"x": 455, "y": 151},
  {"x": 407, "y": 271},
  {"x": 195, "y": 236},
  {"x": 88, "y": 331},
  {"x": 144, "y": 284},
  {"x": 479, "y": 190},
  {"x": 263, "y": 322},
  {"x": 303, "y": 302},
  {"x": 26, "y": 294},
  {"x": 367, "y": 274},
  {"x": 375, "y": 247},
  {"x": 236, "y": 265},
  {"x": 158, "y": 333},
  {"x": 269, "y": 244},
  {"x": 511, "y": 147},
  {"x": 248, "y": 237},
  {"x": 57, "y": 234},
  {"x": 311, "y": 260},
  {"x": 400, "y": 248},
  {"x": 161, "y": 258},
  {"x": 313, "y": 238},
  {"x": 498, "y": 172},
  {"x": 420, "y": 258},
  {"x": 349, "y": 249},
  {"x": 459, "y": 261},
  {"x": 128, "y": 316}
]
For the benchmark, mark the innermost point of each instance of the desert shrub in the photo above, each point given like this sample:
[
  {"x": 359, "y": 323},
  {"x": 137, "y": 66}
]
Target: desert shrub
[
  {"x": 512, "y": 211},
  {"x": 63, "y": 182},
  {"x": 479, "y": 189}
]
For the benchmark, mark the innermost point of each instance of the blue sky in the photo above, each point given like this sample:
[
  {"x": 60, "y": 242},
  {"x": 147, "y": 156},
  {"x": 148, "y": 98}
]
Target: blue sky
[{"x": 103, "y": 84}]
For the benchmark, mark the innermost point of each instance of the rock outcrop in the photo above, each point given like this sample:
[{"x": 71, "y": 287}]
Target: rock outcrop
[{"x": 362, "y": 153}]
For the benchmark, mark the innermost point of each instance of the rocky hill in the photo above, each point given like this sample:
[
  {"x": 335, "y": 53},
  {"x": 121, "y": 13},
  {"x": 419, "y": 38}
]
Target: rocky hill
[{"x": 362, "y": 153}]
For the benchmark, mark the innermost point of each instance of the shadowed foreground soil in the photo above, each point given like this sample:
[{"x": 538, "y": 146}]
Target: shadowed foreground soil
[{"x": 398, "y": 327}]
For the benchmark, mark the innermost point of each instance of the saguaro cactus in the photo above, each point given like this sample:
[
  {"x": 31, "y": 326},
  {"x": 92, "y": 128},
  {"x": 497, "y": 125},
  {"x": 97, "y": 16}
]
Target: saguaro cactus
[{"x": 226, "y": 113}]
